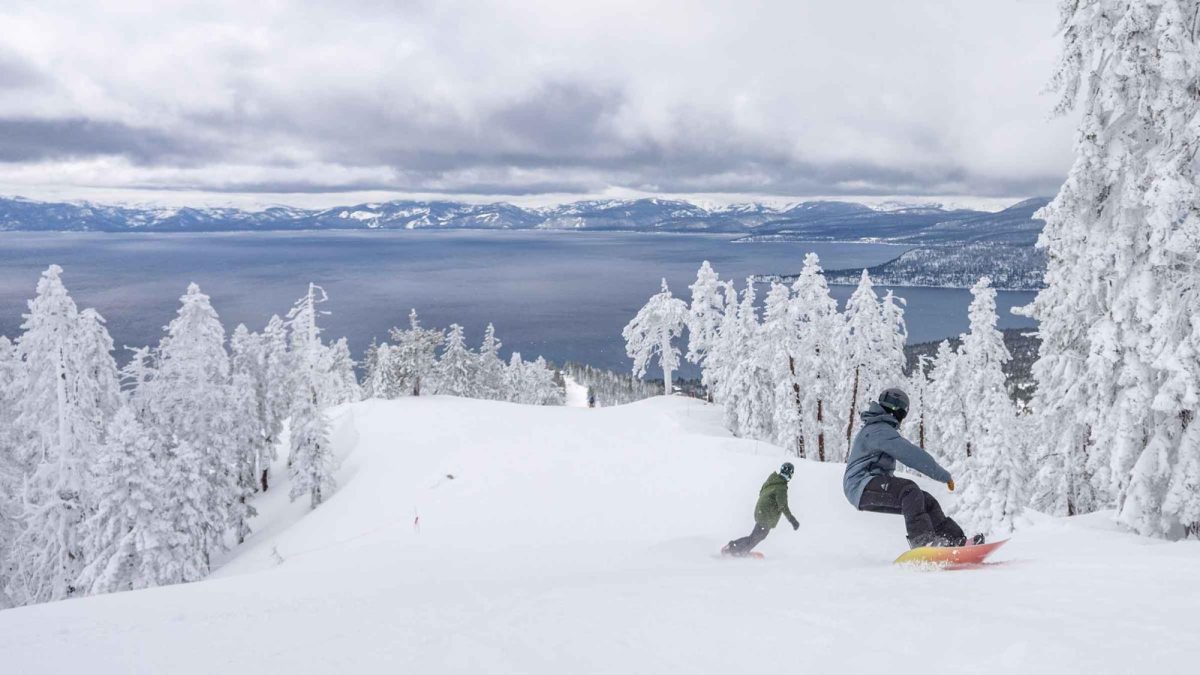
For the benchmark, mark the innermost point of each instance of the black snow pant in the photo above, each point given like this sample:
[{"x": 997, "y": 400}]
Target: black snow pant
[
  {"x": 746, "y": 544},
  {"x": 923, "y": 516}
]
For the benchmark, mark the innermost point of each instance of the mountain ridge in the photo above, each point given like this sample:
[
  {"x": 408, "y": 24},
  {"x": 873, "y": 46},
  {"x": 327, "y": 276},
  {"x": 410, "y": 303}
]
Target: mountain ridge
[{"x": 816, "y": 219}]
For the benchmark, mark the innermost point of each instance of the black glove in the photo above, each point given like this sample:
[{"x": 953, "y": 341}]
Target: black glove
[{"x": 795, "y": 524}]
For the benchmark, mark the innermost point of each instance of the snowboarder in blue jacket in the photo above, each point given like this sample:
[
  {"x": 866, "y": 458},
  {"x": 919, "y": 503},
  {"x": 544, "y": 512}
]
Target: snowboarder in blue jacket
[{"x": 870, "y": 485}]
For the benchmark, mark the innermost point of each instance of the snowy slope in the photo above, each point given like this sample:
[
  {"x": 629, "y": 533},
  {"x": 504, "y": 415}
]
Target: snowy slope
[{"x": 582, "y": 541}]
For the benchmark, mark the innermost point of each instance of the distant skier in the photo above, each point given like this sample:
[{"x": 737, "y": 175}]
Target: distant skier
[
  {"x": 870, "y": 485},
  {"x": 772, "y": 503},
  {"x": 591, "y": 398}
]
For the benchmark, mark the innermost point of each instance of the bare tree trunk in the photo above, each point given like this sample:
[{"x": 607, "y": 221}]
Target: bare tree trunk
[
  {"x": 820, "y": 430},
  {"x": 921, "y": 430},
  {"x": 853, "y": 406},
  {"x": 796, "y": 396}
]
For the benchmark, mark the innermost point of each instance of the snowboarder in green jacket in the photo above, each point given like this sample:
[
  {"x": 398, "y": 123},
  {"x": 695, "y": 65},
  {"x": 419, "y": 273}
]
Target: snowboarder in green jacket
[{"x": 772, "y": 503}]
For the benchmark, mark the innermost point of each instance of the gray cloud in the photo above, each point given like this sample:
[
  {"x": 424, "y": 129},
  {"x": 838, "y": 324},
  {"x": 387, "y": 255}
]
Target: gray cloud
[
  {"x": 26, "y": 139},
  {"x": 521, "y": 98},
  {"x": 17, "y": 73}
]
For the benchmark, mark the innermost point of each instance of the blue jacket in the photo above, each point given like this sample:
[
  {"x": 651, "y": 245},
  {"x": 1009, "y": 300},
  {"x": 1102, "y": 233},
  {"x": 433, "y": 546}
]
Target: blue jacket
[{"x": 876, "y": 449}]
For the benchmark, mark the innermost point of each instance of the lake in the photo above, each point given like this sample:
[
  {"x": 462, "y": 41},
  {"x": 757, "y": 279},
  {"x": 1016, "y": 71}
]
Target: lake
[{"x": 563, "y": 295}]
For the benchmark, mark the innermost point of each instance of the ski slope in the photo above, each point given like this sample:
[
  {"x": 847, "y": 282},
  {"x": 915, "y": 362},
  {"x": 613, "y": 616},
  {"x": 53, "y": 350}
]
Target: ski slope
[{"x": 482, "y": 537}]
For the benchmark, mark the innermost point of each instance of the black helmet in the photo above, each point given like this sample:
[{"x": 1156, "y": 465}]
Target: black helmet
[
  {"x": 787, "y": 470},
  {"x": 894, "y": 401}
]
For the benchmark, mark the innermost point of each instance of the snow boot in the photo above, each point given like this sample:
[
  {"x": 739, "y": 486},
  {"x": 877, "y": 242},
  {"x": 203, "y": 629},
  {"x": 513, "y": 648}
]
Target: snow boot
[
  {"x": 978, "y": 540},
  {"x": 923, "y": 539}
]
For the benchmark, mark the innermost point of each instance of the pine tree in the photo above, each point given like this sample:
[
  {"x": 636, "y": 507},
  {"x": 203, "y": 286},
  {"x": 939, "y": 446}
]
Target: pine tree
[
  {"x": 126, "y": 541},
  {"x": 415, "y": 354},
  {"x": 311, "y": 462},
  {"x": 456, "y": 369},
  {"x": 776, "y": 350},
  {"x": 994, "y": 476},
  {"x": 380, "y": 378},
  {"x": 1117, "y": 376},
  {"x": 67, "y": 387},
  {"x": 874, "y": 355},
  {"x": 279, "y": 391},
  {"x": 340, "y": 384},
  {"x": 547, "y": 390},
  {"x": 246, "y": 443},
  {"x": 515, "y": 381},
  {"x": 704, "y": 317},
  {"x": 489, "y": 368},
  {"x": 947, "y": 420},
  {"x": 722, "y": 354},
  {"x": 190, "y": 404},
  {"x": 916, "y": 425},
  {"x": 650, "y": 334},
  {"x": 818, "y": 358},
  {"x": 11, "y": 473},
  {"x": 251, "y": 388},
  {"x": 748, "y": 394},
  {"x": 311, "y": 470}
]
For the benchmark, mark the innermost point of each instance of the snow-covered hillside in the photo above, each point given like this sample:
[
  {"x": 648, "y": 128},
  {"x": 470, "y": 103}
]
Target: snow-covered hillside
[{"x": 481, "y": 537}]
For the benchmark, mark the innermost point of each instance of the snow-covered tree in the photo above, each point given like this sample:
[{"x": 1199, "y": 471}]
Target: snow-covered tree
[
  {"x": 456, "y": 369},
  {"x": 544, "y": 384},
  {"x": 994, "y": 475},
  {"x": 126, "y": 541},
  {"x": 11, "y": 473},
  {"x": 650, "y": 334},
  {"x": 380, "y": 379},
  {"x": 489, "y": 369},
  {"x": 311, "y": 462},
  {"x": 312, "y": 467},
  {"x": 246, "y": 442},
  {"x": 725, "y": 345},
  {"x": 873, "y": 359},
  {"x": 704, "y": 316},
  {"x": 776, "y": 349},
  {"x": 916, "y": 425},
  {"x": 818, "y": 358},
  {"x": 279, "y": 384},
  {"x": 248, "y": 368},
  {"x": 190, "y": 406},
  {"x": 414, "y": 354},
  {"x": 746, "y": 391},
  {"x": 1117, "y": 372},
  {"x": 339, "y": 383},
  {"x": 66, "y": 389},
  {"x": 515, "y": 381}
]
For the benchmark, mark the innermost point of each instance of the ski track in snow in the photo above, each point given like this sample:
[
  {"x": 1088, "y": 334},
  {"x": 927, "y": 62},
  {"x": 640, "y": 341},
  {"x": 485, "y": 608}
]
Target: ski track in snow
[
  {"x": 576, "y": 394},
  {"x": 584, "y": 541}
]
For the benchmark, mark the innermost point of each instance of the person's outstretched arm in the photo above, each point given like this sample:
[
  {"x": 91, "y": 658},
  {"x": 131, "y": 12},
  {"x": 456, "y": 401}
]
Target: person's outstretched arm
[{"x": 914, "y": 457}]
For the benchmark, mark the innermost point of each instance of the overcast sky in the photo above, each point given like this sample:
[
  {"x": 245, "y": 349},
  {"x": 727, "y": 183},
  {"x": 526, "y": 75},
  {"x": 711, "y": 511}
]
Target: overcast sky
[{"x": 549, "y": 100}]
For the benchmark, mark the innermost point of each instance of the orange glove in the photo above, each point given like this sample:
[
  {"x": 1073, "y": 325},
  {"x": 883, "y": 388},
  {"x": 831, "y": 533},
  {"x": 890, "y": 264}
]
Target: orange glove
[{"x": 950, "y": 484}]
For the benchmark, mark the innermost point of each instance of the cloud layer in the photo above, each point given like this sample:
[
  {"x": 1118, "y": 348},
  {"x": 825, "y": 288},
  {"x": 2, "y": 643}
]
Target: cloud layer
[{"x": 504, "y": 98}]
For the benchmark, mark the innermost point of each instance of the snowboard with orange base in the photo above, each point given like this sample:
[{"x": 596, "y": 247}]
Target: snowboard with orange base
[{"x": 950, "y": 557}]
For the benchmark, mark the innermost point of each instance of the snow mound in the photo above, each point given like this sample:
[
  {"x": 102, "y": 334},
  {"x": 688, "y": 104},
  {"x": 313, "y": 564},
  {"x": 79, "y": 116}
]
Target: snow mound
[{"x": 472, "y": 536}]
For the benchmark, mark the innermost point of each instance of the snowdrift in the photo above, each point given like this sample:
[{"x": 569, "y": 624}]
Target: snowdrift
[{"x": 471, "y": 536}]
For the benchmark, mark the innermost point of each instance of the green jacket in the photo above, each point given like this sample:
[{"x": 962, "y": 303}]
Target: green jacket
[{"x": 773, "y": 502}]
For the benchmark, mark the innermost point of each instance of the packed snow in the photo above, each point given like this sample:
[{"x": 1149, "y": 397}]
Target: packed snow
[{"x": 479, "y": 536}]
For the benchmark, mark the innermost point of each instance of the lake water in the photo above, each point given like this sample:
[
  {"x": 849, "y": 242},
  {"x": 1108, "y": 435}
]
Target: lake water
[{"x": 563, "y": 295}]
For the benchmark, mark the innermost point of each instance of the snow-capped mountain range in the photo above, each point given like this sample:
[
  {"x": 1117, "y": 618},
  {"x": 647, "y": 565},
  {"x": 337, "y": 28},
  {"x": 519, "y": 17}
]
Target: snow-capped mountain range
[{"x": 812, "y": 220}]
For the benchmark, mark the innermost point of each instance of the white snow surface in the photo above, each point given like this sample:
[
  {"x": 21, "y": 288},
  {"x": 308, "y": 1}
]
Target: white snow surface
[
  {"x": 585, "y": 541},
  {"x": 576, "y": 394}
]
